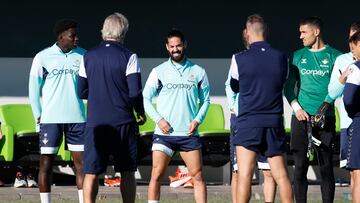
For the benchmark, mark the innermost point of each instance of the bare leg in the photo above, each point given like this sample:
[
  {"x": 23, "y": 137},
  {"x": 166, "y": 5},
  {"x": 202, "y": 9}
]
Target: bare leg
[
  {"x": 356, "y": 186},
  {"x": 159, "y": 165},
  {"x": 45, "y": 172},
  {"x": 280, "y": 175},
  {"x": 78, "y": 163},
  {"x": 247, "y": 158},
  {"x": 233, "y": 186},
  {"x": 269, "y": 186},
  {"x": 351, "y": 180},
  {"x": 193, "y": 161},
  {"x": 90, "y": 187}
]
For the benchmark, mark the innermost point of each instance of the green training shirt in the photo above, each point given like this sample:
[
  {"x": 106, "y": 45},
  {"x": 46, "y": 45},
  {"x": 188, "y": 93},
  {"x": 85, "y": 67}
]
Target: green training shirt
[{"x": 311, "y": 71}]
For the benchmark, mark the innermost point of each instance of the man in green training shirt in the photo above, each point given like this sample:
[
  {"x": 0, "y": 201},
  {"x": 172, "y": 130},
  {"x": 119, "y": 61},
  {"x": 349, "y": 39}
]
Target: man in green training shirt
[{"x": 306, "y": 91}]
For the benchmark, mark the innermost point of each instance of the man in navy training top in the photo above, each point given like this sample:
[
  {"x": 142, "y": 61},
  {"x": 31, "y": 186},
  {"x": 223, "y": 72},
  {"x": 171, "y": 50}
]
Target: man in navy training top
[
  {"x": 111, "y": 82},
  {"x": 260, "y": 74},
  {"x": 352, "y": 106},
  {"x": 269, "y": 185},
  {"x": 179, "y": 85},
  {"x": 336, "y": 87},
  {"x": 56, "y": 105}
]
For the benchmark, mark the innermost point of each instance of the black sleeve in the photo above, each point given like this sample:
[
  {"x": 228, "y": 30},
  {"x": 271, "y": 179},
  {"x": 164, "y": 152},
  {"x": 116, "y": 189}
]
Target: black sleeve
[
  {"x": 83, "y": 88},
  {"x": 234, "y": 84}
]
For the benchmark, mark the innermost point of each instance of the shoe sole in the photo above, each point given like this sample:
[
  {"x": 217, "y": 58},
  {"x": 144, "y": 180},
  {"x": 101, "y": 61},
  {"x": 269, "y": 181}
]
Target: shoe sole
[
  {"x": 180, "y": 182},
  {"x": 18, "y": 186},
  {"x": 112, "y": 184}
]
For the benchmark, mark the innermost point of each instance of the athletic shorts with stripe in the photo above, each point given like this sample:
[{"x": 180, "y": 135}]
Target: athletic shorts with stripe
[
  {"x": 233, "y": 131},
  {"x": 51, "y": 135},
  {"x": 353, "y": 154},
  {"x": 170, "y": 144},
  {"x": 344, "y": 143}
]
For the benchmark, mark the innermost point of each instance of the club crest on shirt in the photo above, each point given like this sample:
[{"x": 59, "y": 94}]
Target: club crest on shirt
[
  {"x": 191, "y": 78},
  {"x": 76, "y": 63},
  {"x": 351, "y": 69},
  {"x": 325, "y": 63}
]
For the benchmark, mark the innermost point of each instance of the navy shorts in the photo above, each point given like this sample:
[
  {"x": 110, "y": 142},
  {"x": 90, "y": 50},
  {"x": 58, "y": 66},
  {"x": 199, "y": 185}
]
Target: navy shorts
[
  {"x": 105, "y": 140},
  {"x": 343, "y": 147},
  {"x": 353, "y": 155},
  {"x": 170, "y": 144},
  {"x": 233, "y": 130},
  {"x": 263, "y": 140},
  {"x": 51, "y": 136},
  {"x": 263, "y": 163}
]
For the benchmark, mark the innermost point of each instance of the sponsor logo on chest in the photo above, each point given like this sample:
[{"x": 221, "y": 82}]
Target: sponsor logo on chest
[
  {"x": 179, "y": 86},
  {"x": 314, "y": 72},
  {"x": 325, "y": 63}
]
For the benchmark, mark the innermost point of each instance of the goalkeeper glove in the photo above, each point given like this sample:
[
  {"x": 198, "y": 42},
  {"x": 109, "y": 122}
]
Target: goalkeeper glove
[{"x": 319, "y": 118}]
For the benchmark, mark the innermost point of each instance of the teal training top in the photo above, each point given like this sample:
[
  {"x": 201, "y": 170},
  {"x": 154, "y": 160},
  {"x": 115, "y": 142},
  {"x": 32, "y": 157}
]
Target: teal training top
[
  {"x": 179, "y": 87},
  {"x": 53, "y": 86},
  {"x": 311, "y": 70},
  {"x": 336, "y": 89}
]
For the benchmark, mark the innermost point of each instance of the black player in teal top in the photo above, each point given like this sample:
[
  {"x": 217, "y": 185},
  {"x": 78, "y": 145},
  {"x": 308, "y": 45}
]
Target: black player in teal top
[{"x": 56, "y": 105}]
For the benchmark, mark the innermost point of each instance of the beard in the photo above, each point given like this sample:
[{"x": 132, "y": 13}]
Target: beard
[
  {"x": 309, "y": 42},
  {"x": 177, "y": 56}
]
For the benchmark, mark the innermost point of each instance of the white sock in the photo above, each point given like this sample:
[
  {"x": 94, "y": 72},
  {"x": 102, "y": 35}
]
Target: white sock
[
  {"x": 81, "y": 196},
  {"x": 45, "y": 197},
  {"x": 153, "y": 201}
]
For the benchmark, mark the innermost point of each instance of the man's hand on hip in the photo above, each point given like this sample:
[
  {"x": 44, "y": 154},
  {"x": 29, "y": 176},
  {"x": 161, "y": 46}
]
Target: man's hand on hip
[
  {"x": 193, "y": 127},
  {"x": 164, "y": 126}
]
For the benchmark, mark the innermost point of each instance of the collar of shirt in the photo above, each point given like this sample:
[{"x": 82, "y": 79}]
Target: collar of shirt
[
  {"x": 317, "y": 50},
  {"x": 111, "y": 42},
  {"x": 180, "y": 66},
  {"x": 58, "y": 49},
  {"x": 260, "y": 43}
]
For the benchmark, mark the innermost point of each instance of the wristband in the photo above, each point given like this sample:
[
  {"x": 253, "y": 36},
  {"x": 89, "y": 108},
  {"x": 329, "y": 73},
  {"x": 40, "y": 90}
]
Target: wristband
[{"x": 295, "y": 106}]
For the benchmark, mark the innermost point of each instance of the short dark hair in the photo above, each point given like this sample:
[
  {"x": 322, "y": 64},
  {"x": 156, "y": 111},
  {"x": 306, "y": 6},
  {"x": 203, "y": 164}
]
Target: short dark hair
[
  {"x": 355, "y": 37},
  {"x": 63, "y": 25},
  {"x": 175, "y": 33},
  {"x": 312, "y": 20},
  {"x": 258, "y": 19},
  {"x": 355, "y": 26}
]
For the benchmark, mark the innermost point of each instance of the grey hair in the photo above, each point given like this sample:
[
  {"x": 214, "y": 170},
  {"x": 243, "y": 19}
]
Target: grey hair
[{"x": 115, "y": 27}]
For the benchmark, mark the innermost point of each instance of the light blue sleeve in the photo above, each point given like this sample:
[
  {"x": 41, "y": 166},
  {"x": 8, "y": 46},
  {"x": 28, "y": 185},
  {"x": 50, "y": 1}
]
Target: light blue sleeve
[
  {"x": 35, "y": 86},
  {"x": 204, "y": 97},
  {"x": 230, "y": 95},
  {"x": 335, "y": 88},
  {"x": 150, "y": 90}
]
